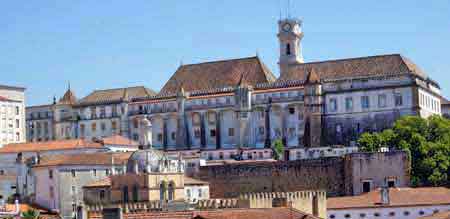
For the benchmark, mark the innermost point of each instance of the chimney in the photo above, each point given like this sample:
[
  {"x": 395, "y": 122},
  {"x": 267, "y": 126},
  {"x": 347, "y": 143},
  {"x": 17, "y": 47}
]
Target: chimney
[{"x": 384, "y": 192}]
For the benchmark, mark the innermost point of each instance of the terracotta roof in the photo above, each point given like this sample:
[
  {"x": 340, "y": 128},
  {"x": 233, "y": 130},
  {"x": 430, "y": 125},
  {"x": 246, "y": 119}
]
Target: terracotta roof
[
  {"x": 218, "y": 74},
  {"x": 440, "y": 215},
  {"x": 118, "y": 140},
  {"x": 43, "y": 213},
  {"x": 397, "y": 196},
  {"x": 105, "y": 182},
  {"x": 382, "y": 65},
  {"x": 268, "y": 213},
  {"x": 49, "y": 146},
  {"x": 116, "y": 95},
  {"x": 4, "y": 99},
  {"x": 192, "y": 181},
  {"x": 68, "y": 98},
  {"x": 84, "y": 159}
]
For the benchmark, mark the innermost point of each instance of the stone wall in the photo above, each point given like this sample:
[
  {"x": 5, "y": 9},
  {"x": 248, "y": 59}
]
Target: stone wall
[
  {"x": 230, "y": 180},
  {"x": 337, "y": 176}
]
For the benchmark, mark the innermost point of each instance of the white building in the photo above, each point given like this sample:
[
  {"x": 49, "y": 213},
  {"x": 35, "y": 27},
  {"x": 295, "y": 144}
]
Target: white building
[
  {"x": 12, "y": 115},
  {"x": 60, "y": 178},
  {"x": 16, "y": 159},
  {"x": 398, "y": 203}
]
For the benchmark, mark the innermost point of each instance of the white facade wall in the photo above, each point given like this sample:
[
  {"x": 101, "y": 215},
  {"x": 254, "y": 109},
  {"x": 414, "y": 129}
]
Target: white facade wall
[
  {"x": 407, "y": 212},
  {"x": 12, "y": 115},
  {"x": 193, "y": 193},
  {"x": 429, "y": 104}
]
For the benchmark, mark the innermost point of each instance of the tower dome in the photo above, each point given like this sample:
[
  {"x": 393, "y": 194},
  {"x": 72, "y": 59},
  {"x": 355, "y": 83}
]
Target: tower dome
[{"x": 153, "y": 161}]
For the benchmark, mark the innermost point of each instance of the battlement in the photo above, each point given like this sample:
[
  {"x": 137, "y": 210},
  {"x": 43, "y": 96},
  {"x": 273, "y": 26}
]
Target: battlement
[{"x": 287, "y": 195}]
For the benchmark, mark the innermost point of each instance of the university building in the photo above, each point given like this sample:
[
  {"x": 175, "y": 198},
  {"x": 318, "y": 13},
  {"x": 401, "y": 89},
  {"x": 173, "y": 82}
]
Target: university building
[{"x": 240, "y": 104}]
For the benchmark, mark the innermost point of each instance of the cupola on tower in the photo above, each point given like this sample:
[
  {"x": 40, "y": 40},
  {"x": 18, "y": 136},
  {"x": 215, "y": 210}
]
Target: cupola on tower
[{"x": 290, "y": 35}]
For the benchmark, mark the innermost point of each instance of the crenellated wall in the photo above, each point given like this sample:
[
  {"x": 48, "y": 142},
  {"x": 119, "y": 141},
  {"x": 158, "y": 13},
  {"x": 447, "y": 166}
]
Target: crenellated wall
[{"x": 337, "y": 176}]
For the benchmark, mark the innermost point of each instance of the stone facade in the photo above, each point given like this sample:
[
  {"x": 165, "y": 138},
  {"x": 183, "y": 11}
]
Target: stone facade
[{"x": 338, "y": 176}]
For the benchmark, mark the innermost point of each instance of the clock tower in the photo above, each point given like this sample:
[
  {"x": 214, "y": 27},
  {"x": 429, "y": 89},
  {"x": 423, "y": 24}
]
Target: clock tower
[{"x": 290, "y": 35}]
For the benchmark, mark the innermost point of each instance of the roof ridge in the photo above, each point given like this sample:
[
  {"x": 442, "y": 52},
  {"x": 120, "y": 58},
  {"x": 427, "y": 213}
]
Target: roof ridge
[
  {"x": 222, "y": 60},
  {"x": 353, "y": 58},
  {"x": 118, "y": 88}
]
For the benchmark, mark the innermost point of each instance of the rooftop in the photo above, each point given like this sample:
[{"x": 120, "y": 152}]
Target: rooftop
[
  {"x": 398, "y": 197},
  {"x": 49, "y": 146},
  {"x": 380, "y": 65},
  {"x": 218, "y": 74},
  {"x": 84, "y": 159},
  {"x": 118, "y": 140},
  {"x": 116, "y": 95},
  {"x": 105, "y": 182},
  {"x": 241, "y": 213}
]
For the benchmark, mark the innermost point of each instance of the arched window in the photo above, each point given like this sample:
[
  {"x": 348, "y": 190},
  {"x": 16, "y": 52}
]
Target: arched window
[
  {"x": 135, "y": 193},
  {"x": 288, "y": 49},
  {"x": 125, "y": 194},
  {"x": 162, "y": 190},
  {"x": 171, "y": 191}
]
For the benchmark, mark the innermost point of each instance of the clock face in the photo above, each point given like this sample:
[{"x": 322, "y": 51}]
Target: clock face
[{"x": 286, "y": 27}]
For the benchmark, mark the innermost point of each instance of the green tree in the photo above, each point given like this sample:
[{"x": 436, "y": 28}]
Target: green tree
[
  {"x": 30, "y": 214},
  {"x": 427, "y": 142},
  {"x": 278, "y": 149}
]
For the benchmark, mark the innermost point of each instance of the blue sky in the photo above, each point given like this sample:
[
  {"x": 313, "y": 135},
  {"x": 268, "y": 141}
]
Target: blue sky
[{"x": 107, "y": 44}]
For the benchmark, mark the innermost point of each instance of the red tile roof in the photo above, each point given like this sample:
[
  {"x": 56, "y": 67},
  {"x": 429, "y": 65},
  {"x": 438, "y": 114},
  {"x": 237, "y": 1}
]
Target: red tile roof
[
  {"x": 118, "y": 140},
  {"x": 269, "y": 213},
  {"x": 192, "y": 181},
  {"x": 218, "y": 74},
  {"x": 4, "y": 99},
  {"x": 84, "y": 159},
  {"x": 49, "y": 146},
  {"x": 381, "y": 65},
  {"x": 397, "y": 196},
  {"x": 116, "y": 95},
  {"x": 68, "y": 98},
  {"x": 105, "y": 182}
]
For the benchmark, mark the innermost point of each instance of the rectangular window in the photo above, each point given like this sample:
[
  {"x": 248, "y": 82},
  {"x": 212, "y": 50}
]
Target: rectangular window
[
  {"x": 197, "y": 133},
  {"x": 212, "y": 133},
  {"x": 94, "y": 127},
  {"x": 73, "y": 173},
  {"x": 261, "y": 130},
  {"x": 114, "y": 110},
  {"x": 52, "y": 192},
  {"x": 102, "y": 112},
  {"x": 348, "y": 103},
  {"x": 231, "y": 132},
  {"x": 333, "y": 104},
  {"x": 174, "y": 135},
  {"x": 398, "y": 100},
  {"x": 17, "y": 110},
  {"x": 103, "y": 126},
  {"x": 17, "y": 123},
  {"x": 113, "y": 125},
  {"x": 93, "y": 112},
  {"x": 291, "y": 110},
  {"x": 82, "y": 130},
  {"x": 382, "y": 100},
  {"x": 159, "y": 138},
  {"x": 365, "y": 102},
  {"x": 94, "y": 172},
  {"x": 366, "y": 186},
  {"x": 391, "y": 183},
  {"x": 50, "y": 174},
  {"x": 73, "y": 190}
]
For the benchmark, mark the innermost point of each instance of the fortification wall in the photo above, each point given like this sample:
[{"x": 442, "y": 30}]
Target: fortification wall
[
  {"x": 337, "y": 175},
  {"x": 231, "y": 180}
]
